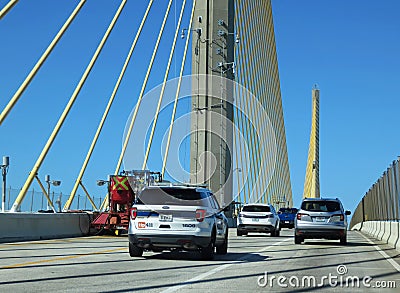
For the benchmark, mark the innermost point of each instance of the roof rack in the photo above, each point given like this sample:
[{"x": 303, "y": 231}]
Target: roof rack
[{"x": 167, "y": 183}]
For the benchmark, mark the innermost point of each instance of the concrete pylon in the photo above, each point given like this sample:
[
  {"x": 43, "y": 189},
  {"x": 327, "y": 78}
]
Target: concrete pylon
[
  {"x": 212, "y": 114},
  {"x": 311, "y": 184}
]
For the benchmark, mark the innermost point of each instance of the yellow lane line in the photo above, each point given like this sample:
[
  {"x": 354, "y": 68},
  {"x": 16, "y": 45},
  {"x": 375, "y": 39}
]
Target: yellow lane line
[
  {"x": 60, "y": 258},
  {"x": 51, "y": 241}
]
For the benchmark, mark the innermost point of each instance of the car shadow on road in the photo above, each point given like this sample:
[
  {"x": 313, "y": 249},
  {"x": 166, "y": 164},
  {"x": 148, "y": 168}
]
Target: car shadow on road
[
  {"x": 195, "y": 256},
  {"x": 350, "y": 244}
]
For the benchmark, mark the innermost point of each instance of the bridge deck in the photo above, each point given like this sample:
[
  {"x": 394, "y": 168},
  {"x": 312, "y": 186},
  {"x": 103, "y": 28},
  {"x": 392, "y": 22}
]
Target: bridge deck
[{"x": 94, "y": 264}]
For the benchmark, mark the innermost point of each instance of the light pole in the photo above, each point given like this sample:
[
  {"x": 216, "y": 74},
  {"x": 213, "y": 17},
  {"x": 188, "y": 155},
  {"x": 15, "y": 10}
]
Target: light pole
[
  {"x": 4, "y": 170},
  {"x": 51, "y": 182},
  {"x": 101, "y": 183}
]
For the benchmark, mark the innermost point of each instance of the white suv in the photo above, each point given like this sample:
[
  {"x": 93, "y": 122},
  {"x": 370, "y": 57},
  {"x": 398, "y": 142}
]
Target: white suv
[
  {"x": 177, "y": 217},
  {"x": 321, "y": 218},
  {"x": 258, "y": 218}
]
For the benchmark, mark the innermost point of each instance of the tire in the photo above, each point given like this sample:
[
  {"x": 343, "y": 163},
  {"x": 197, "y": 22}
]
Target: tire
[
  {"x": 297, "y": 239},
  {"x": 275, "y": 232},
  {"x": 241, "y": 233},
  {"x": 207, "y": 253},
  {"x": 134, "y": 250},
  {"x": 223, "y": 248},
  {"x": 343, "y": 240}
]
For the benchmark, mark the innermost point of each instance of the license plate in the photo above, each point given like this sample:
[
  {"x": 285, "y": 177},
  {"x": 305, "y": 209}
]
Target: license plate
[
  {"x": 255, "y": 220},
  {"x": 320, "y": 219},
  {"x": 286, "y": 222},
  {"x": 165, "y": 218}
]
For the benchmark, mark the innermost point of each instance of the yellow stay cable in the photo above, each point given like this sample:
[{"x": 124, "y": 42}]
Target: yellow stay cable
[
  {"x": 64, "y": 115},
  {"x": 37, "y": 66},
  {"x": 146, "y": 157},
  {"x": 100, "y": 127},
  {"x": 125, "y": 145},
  {"x": 177, "y": 93},
  {"x": 7, "y": 8}
]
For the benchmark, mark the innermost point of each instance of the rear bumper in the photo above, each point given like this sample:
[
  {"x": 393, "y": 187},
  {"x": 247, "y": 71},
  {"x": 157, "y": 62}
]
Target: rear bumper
[
  {"x": 255, "y": 228},
  {"x": 287, "y": 224},
  {"x": 327, "y": 233},
  {"x": 188, "y": 242}
]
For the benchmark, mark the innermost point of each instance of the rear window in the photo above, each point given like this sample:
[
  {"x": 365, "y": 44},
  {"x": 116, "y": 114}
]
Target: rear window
[
  {"x": 321, "y": 206},
  {"x": 173, "y": 196},
  {"x": 288, "y": 211},
  {"x": 262, "y": 209}
]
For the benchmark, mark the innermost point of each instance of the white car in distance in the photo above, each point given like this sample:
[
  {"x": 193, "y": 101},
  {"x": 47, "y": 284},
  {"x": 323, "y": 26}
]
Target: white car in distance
[{"x": 258, "y": 218}]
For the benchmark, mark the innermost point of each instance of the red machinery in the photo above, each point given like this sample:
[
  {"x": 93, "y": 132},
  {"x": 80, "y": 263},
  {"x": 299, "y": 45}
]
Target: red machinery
[{"x": 122, "y": 190}]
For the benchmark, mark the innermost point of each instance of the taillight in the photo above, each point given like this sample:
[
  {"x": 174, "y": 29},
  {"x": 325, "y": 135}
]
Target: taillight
[
  {"x": 338, "y": 217},
  {"x": 299, "y": 215},
  {"x": 200, "y": 215},
  {"x": 133, "y": 213}
]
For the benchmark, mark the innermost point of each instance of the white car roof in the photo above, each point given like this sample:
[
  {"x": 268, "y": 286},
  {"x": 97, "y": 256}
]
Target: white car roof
[
  {"x": 176, "y": 186},
  {"x": 257, "y": 204}
]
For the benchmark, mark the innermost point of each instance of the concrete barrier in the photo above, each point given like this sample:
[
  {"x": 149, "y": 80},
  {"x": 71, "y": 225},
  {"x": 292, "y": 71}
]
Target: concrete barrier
[
  {"x": 395, "y": 235},
  {"x": 381, "y": 230},
  {"x": 388, "y": 232},
  {"x": 35, "y": 226},
  {"x": 357, "y": 227}
]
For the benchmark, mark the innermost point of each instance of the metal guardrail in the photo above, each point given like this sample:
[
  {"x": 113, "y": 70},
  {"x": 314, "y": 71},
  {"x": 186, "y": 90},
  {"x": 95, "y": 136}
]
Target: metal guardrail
[
  {"x": 382, "y": 201},
  {"x": 36, "y": 201}
]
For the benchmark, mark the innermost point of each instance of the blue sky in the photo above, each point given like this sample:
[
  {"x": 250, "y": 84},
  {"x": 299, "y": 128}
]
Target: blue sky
[{"x": 349, "y": 48}]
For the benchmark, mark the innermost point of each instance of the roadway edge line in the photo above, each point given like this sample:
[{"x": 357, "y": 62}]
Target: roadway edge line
[{"x": 384, "y": 254}]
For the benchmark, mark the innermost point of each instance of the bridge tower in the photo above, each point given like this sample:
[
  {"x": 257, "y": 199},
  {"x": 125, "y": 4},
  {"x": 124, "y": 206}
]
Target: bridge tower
[
  {"x": 225, "y": 45},
  {"x": 212, "y": 110},
  {"x": 311, "y": 184}
]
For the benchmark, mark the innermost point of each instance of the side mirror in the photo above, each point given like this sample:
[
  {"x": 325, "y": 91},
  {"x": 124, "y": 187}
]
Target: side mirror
[{"x": 347, "y": 213}]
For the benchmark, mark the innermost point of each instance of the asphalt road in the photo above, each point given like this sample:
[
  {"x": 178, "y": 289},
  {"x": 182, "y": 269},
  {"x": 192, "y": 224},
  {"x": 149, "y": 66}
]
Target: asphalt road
[{"x": 254, "y": 263}]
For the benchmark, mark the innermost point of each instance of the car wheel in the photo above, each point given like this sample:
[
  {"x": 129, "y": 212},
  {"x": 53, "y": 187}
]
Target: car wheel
[
  {"x": 134, "y": 250},
  {"x": 297, "y": 239},
  {"x": 241, "y": 233},
  {"x": 223, "y": 248},
  {"x": 343, "y": 240},
  {"x": 207, "y": 253},
  {"x": 275, "y": 232}
]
